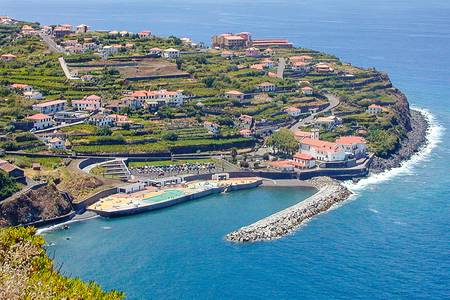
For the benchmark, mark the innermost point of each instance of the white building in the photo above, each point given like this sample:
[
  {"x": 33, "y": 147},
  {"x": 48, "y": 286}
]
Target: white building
[
  {"x": 328, "y": 122},
  {"x": 266, "y": 87},
  {"x": 252, "y": 52},
  {"x": 322, "y": 150},
  {"x": 101, "y": 120},
  {"x": 109, "y": 50},
  {"x": 236, "y": 95},
  {"x": 56, "y": 143},
  {"x": 307, "y": 91},
  {"x": 171, "y": 53},
  {"x": 303, "y": 160},
  {"x": 22, "y": 87},
  {"x": 50, "y": 107},
  {"x": 132, "y": 188},
  {"x": 353, "y": 145},
  {"x": 155, "y": 51},
  {"x": 82, "y": 28},
  {"x": 293, "y": 111},
  {"x": 33, "y": 95},
  {"x": 174, "y": 98},
  {"x": 88, "y": 103},
  {"x": 40, "y": 121},
  {"x": 374, "y": 109},
  {"x": 300, "y": 66}
]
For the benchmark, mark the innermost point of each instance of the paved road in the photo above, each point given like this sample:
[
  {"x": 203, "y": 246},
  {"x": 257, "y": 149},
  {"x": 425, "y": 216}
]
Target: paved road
[
  {"x": 334, "y": 101},
  {"x": 51, "y": 43},
  {"x": 281, "y": 67},
  {"x": 66, "y": 70}
]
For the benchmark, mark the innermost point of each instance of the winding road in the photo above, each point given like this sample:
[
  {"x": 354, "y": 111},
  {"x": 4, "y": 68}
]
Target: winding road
[{"x": 334, "y": 102}]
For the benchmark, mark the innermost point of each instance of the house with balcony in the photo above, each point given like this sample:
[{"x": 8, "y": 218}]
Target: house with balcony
[
  {"x": 235, "y": 95},
  {"x": 50, "y": 107},
  {"x": 40, "y": 121},
  {"x": 173, "y": 98},
  {"x": 303, "y": 160},
  {"x": 354, "y": 146},
  {"x": 374, "y": 109},
  {"x": 171, "y": 53},
  {"x": 323, "y": 150},
  {"x": 33, "y": 95},
  {"x": 293, "y": 111},
  {"x": 101, "y": 120},
  {"x": 266, "y": 87}
]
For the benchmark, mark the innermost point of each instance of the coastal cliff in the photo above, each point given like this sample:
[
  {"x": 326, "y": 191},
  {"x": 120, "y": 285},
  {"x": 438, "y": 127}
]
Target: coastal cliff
[
  {"x": 281, "y": 223},
  {"x": 414, "y": 140},
  {"x": 34, "y": 205}
]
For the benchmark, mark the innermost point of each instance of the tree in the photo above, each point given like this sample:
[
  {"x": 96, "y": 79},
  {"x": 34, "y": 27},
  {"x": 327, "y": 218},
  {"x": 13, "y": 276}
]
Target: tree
[
  {"x": 104, "y": 131},
  {"x": 179, "y": 63},
  {"x": 208, "y": 81},
  {"x": 8, "y": 185},
  {"x": 283, "y": 141},
  {"x": 234, "y": 154}
]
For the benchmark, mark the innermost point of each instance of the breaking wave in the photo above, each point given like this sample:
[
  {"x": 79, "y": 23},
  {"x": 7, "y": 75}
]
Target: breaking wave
[{"x": 433, "y": 138}]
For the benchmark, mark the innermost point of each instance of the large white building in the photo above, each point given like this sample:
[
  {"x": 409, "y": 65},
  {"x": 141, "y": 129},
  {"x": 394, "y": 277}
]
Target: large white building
[
  {"x": 174, "y": 98},
  {"x": 171, "y": 53},
  {"x": 50, "y": 107},
  {"x": 88, "y": 103},
  {"x": 353, "y": 145},
  {"x": 40, "y": 121},
  {"x": 323, "y": 150}
]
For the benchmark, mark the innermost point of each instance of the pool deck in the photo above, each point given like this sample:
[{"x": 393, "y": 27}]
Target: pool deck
[{"x": 153, "y": 198}]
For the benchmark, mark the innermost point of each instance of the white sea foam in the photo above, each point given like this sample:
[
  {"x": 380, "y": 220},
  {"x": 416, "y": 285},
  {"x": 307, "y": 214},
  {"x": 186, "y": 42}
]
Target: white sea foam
[
  {"x": 374, "y": 210},
  {"x": 433, "y": 138},
  {"x": 57, "y": 226}
]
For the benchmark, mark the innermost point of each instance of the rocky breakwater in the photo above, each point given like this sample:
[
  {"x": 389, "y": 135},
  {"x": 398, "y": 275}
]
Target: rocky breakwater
[{"x": 330, "y": 192}]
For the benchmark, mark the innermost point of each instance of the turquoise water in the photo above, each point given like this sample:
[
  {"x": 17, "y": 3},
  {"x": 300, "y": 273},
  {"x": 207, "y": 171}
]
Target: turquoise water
[
  {"x": 392, "y": 241},
  {"x": 170, "y": 194}
]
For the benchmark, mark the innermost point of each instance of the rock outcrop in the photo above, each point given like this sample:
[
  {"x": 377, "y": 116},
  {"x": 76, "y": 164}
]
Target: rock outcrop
[
  {"x": 281, "y": 223},
  {"x": 414, "y": 140},
  {"x": 34, "y": 205}
]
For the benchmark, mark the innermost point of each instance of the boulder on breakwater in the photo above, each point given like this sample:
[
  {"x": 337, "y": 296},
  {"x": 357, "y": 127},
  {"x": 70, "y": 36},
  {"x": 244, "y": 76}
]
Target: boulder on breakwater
[{"x": 283, "y": 222}]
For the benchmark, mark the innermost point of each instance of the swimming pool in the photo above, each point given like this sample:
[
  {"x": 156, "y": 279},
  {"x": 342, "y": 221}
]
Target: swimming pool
[{"x": 166, "y": 195}]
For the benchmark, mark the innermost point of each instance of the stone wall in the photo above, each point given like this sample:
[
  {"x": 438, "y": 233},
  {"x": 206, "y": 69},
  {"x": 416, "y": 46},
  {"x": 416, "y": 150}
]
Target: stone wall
[{"x": 281, "y": 223}]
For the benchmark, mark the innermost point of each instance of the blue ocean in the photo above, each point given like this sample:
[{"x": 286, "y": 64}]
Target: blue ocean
[{"x": 389, "y": 241}]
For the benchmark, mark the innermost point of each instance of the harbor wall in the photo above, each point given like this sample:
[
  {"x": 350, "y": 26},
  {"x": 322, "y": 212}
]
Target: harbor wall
[{"x": 283, "y": 222}]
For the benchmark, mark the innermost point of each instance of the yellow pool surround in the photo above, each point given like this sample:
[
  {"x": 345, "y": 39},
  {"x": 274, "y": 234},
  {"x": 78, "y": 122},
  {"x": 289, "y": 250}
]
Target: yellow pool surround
[{"x": 156, "y": 198}]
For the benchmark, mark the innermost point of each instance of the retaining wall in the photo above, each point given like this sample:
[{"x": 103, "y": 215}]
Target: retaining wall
[
  {"x": 52, "y": 221},
  {"x": 81, "y": 206}
]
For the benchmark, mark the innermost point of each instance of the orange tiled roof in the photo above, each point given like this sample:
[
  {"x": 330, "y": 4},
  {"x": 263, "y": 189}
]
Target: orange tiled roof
[{"x": 346, "y": 140}]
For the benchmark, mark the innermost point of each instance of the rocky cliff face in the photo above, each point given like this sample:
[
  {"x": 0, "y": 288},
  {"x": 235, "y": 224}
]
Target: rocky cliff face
[
  {"x": 401, "y": 106},
  {"x": 34, "y": 205}
]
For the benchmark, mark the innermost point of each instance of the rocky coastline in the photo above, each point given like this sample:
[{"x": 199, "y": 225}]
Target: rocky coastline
[
  {"x": 329, "y": 193},
  {"x": 411, "y": 144}
]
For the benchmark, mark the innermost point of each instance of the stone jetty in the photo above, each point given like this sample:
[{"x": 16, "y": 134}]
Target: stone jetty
[{"x": 330, "y": 192}]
